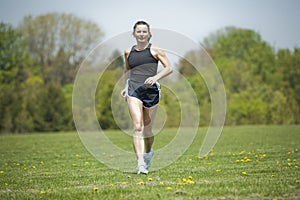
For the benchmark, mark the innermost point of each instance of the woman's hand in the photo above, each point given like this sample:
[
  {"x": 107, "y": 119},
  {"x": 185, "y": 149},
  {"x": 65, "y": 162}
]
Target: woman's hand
[
  {"x": 150, "y": 81},
  {"x": 123, "y": 94}
]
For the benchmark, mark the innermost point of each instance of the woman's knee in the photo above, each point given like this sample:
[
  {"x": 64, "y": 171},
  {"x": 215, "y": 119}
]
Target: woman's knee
[
  {"x": 138, "y": 127},
  {"x": 147, "y": 121}
]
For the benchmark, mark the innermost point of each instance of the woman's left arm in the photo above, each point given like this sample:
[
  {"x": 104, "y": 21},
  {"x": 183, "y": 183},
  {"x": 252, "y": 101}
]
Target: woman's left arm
[{"x": 160, "y": 55}]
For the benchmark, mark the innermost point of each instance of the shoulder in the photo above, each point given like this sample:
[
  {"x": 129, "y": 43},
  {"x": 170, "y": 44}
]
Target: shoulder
[
  {"x": 127, "y": 52},
  {"x": 157, "y": 51}
]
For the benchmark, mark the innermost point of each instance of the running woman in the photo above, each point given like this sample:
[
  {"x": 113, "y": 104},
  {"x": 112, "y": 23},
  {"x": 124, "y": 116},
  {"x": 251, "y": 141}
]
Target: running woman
[{"x": 142, "y": 91}]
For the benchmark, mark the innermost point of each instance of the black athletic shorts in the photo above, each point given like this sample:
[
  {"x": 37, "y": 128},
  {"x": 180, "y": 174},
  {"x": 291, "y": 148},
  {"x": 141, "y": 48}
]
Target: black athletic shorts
[{"x": 149, "y": 95}]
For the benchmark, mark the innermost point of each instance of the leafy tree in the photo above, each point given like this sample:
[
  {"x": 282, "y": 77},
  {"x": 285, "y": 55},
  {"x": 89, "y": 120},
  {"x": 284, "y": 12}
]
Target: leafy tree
[
  {"x": 117, "y": 61},
  {"x": 282, "y": 110},
  {"x": 203, "y": 97},
  {"x": 288, "y": 65},
  {"x": 14, "y": 70},
  {"x": 262, "y": 87},
  {"x": 30, "y": 93},
  {"x": 248, "y": 107},
  {"x": 59, "y": 43},
  {"x": 8, "y": 98},
  {"x": 201, "y": 57},
  {"x": 247, "y": 46},
  {"x": 169, "y": 102},
  {"x": 53, "y": 112},
  {"x": 185, "y": 67},
  {"x": 13, "y": 55},
  {"x": 105, "y": 88}
]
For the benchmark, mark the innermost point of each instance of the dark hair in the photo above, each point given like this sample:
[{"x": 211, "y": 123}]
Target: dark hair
[{"x": 142, "y": 23}]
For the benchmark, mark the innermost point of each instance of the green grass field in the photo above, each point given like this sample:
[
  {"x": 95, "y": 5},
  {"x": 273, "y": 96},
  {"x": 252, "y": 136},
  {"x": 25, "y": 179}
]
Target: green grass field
[{"x": 248, "y": 162}]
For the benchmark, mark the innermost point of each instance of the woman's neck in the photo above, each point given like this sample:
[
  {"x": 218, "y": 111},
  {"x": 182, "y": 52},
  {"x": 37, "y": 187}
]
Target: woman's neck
[{"x": 141, "y": 46}]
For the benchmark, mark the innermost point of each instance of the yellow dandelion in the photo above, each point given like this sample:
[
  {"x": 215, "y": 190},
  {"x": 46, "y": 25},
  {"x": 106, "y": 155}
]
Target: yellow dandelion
[
  {"x": 128, "y": 176},
  {"x": 1, "y": 172},
  {"x": 96, "y": 189},
  {"x": 169, "y": 188},
  {"x": 298, "y": 181},
  {"x": 150, "y": 179},
  {"x": 124, "y": 183},
  {"x": 161, "y": 183},
  {"x": 178, "y": 184},
  {"x": 42, "y": 192},
  {"x": 111, "y": 185},
  {"x": 190, "y": 182},
  {"x": 86, "y": 163},
  {"x": 33, "y": 167},
  {"x": 190, "y": 159},
  {"x": 289, "y": 164},
  {"x": 184, "y": 180},
  {"x": 190, "y": 177},
  {"x": 244, "y": 173},
  {"x": 242, "y": 152},
  {"x": 141, "y": 183},
  {"x": 218, "y": 170},
  {"x": 289, "y": 153},
  {"x": 263, "y": 155}
]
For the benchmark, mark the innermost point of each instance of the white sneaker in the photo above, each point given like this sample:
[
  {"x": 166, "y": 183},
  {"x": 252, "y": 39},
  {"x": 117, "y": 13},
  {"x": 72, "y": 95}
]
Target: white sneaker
[
  {"x": 148, "y": 157},
  {"x": 142, "y": 169}
]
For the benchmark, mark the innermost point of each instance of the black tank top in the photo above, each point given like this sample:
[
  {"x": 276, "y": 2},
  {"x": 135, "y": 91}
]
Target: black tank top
[{"x": 142, "y": 64}]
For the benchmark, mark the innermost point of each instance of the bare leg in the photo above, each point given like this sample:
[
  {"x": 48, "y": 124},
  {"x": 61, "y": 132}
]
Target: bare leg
[
  {"x": 149, "y": 116},
  {"x": 136, "y": 112}
]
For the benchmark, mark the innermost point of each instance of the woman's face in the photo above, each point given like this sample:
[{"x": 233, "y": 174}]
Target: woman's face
[{"x": 141, "y": 33}]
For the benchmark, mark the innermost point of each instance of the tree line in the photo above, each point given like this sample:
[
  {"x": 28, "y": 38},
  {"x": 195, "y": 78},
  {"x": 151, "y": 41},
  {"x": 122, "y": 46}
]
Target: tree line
[
  {"x": 262, "y": 85},
  {"x": 38, "y": 63},
  {"x": 40, "y": 57}
]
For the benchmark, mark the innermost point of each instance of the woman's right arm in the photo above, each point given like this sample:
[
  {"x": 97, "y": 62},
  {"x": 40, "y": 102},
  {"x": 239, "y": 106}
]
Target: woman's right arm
[
  {"x": 126, "y": 72},
  {"x": 126, "y": 76}
]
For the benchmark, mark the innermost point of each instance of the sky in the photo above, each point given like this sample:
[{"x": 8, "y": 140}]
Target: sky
[{"x": 277, "y": 21}]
